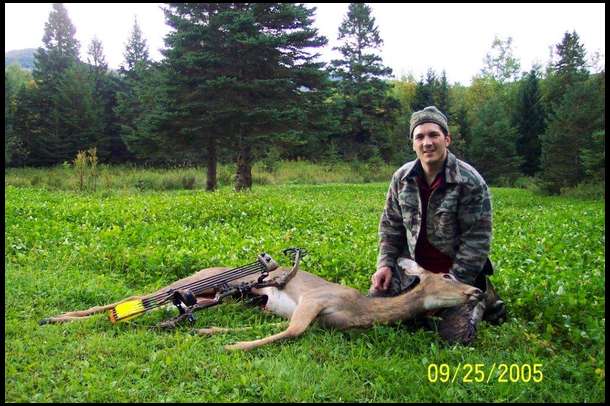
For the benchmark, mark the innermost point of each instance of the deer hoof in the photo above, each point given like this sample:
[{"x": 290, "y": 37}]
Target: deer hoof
[{"x": 44, "y": 321}]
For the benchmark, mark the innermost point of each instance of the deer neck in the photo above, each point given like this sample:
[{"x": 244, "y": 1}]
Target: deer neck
[{"x": 391, "y": 309}]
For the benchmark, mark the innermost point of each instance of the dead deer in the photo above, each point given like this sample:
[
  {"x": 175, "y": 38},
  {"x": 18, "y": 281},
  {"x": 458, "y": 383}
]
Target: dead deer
[
  {"x": 306, "y": 297},
  {"x": 302, "y": 298}
]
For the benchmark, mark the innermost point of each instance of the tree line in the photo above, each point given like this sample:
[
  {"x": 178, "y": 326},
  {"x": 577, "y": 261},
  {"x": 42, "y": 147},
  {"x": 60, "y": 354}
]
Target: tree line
[{"x": 240, "y": 82}]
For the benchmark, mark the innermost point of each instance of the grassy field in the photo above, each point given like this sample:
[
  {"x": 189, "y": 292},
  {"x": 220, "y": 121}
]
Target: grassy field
[
  {"x": 66, "y": 250},
  {"x": 130, "y": 178}
]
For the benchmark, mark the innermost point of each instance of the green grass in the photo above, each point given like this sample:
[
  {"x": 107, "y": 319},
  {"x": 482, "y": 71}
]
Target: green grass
[
  {"x": 66, "y": 250},
  {"x": 129, "y": 178}
]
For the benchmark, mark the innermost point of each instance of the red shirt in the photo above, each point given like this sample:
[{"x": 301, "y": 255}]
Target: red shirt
[{"x": 426, "y": 255}]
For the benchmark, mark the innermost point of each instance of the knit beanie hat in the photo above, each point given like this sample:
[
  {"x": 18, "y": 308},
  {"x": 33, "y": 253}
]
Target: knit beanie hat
[{"x": 428, "y": 115}]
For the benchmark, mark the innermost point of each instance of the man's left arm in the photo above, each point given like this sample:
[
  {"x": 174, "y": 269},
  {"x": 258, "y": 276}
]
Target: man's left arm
[{"x": 474, "y": 217}]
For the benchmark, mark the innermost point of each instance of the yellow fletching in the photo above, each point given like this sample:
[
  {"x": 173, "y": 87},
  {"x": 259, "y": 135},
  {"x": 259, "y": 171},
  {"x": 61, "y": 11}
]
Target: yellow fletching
[{"x": 126, "y": 310}]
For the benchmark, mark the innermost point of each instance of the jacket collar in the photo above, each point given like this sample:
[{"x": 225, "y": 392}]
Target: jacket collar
[{"x": 450, "y": 167}]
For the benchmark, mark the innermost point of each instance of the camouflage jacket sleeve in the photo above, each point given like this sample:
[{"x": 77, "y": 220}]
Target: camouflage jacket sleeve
[
  {"x": 475, "y": 240},
  {"x": 392, "y": 237}
]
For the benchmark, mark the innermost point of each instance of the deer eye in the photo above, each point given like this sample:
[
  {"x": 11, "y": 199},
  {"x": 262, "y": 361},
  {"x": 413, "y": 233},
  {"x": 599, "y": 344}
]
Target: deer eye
[{"x": 447, "y": 276}]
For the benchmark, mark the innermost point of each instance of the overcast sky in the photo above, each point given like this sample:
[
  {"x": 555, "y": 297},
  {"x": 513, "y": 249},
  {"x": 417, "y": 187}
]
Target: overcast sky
[{"x": 453, "y": 37}]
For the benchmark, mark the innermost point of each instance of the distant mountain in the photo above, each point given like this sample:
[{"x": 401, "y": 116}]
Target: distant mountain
[{"x": 22, "y": 57}]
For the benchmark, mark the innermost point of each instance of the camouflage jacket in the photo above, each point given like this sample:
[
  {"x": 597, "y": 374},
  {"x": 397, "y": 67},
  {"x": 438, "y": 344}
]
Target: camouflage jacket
[{"x": 458, "y": 221}]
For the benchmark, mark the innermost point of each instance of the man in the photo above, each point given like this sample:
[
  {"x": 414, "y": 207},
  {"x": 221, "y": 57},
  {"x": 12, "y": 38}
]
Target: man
[{"x": 438, "y": 213}]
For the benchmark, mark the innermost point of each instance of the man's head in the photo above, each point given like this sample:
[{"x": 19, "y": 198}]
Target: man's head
[{"x": 430, "y": 135}]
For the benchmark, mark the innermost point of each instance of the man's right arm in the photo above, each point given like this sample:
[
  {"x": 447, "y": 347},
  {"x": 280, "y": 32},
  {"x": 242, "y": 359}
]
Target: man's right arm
[{"x": 392, "y": 235}]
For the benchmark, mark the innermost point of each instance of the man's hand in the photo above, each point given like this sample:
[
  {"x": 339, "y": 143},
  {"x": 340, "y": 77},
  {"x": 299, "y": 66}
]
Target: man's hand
[{"x": 381, "y": 279}]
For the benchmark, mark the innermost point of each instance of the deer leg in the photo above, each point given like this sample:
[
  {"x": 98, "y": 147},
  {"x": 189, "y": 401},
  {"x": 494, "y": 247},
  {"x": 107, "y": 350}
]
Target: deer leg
[
  {"x": 217, "y": 330},
  {"x": 83, "y": 314},
  {"x": 280, "y": 281},
  {"x": 304, "y": 314}
]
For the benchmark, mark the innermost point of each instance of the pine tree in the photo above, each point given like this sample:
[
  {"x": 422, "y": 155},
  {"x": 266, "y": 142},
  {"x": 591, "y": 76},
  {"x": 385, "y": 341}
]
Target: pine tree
[
  {"x": 574, "y": 112},
  {"x": 65, "y": 92},
  {"x": 423, "y": 96},
  {"x": 142, "y": 108},
  {"x": 136, "y": 52},
  {"x": 97, "y": 60},
  {"x": 574, "y": 124},
  {"x": 491, "y": 148},
  {"x": 567, "y": 68},
  {"x": 26, "y": 126},
  {"x": 530, "y": 123},
  {"x": 461, "y": 136},
  {"x": 368, "y": 110},
  {"x": 15, "y": 78},
  {"x": 593, "y": 157},
  {"x": 9, "y": 111},
  {"x": 130, "y": 109},
  {"x": 110, "y": 146},
  {"x": 442, "y": 101},
  {"x": 80, "y": 112},
  {"x": 241, "y": 72}
]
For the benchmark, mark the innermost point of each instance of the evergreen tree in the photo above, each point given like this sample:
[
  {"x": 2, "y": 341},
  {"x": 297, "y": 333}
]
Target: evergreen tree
[
  {"x": 574, "y": 113},
  {"x": 64, "y": 92},
  {"x": 194, "y": 60},
  {"x": 404, "y": 91},
  {"x": 26, "y": 126},
  {"x": 97, "y": 60},
  {"x": 442, "y": 99},
  {"x": 136, "y": 52},
  {"x": 9, "y": 92},
  {"x": 240, "y": 74},
  {"x": 571, "y": 63},
  {"x": 129, "y": 108},
  {"x": 367, "y": 109},
  {"x": 423, "y": 96},
  {"x": 110, "y": 146},
  {"x": 530, "y": 123},
  {"x": 567, "y": 67},
  {"x": 593, "y": 157},
  {"x": 461, "y": 135},
  {"x": 492, "y": 145},
  {"x": 141, "y": 105},
  {"x": 79, "y": 111},
  {"x": 432, "y": 83},
  {"x": 575, "y": 123},
  {"x": 15, "y": 78}
]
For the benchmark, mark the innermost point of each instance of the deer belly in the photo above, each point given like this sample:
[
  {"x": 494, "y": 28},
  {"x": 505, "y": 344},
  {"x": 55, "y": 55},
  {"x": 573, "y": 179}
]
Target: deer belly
[{"x": 278, "y": 301}]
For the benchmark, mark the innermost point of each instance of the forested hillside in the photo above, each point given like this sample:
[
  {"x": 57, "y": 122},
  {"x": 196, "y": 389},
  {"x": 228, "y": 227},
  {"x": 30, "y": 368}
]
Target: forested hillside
[{"x": 22, "y": 57}]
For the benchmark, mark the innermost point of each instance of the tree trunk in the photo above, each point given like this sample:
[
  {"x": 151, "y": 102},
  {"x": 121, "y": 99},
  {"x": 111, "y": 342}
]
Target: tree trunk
[
  {"x": 243, "y": 178},
  {"x": 212, "y": 164}
]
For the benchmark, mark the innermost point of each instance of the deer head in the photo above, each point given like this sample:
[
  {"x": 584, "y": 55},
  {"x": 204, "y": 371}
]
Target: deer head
[{"x": 440, "y": 290}]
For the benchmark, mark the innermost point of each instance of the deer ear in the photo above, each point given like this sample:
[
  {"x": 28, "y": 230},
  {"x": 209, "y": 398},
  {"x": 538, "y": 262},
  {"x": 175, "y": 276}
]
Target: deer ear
[{"x": 409, "y": 266}]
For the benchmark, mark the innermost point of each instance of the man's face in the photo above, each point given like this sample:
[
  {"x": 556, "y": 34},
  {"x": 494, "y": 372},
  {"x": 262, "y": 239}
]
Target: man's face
[{"x": 430, "y": 143}]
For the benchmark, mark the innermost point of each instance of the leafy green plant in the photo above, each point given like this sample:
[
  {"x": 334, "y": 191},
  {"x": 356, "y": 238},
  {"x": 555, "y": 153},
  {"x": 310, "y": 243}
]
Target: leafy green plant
[
  {"x": 67, "y": 251},
  {"x": 93, "y": 173}
]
